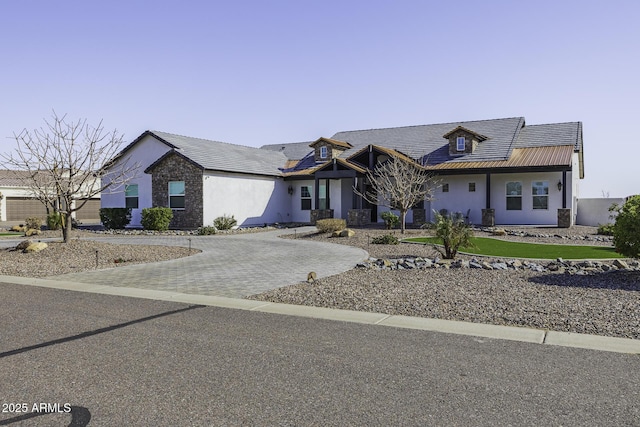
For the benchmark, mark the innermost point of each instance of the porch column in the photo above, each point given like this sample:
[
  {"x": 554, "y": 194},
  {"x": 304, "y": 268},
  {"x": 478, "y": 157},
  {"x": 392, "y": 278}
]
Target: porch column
[
  {"x": 317, "y": 194},
  {"x": 564, "y": 189},
  {"x": 488, "y": 214}
]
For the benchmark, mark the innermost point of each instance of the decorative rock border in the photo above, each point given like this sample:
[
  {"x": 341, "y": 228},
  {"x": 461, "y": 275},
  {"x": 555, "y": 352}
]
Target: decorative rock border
[
  {"x": 559, "y": 265},
  {"x": 519, "y": 233}
]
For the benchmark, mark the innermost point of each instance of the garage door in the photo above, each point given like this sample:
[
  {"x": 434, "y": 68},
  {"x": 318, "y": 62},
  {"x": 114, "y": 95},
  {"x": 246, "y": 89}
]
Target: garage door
[
  {"x": 90, "y": 212},
  {"x": 21, "y": 208}
]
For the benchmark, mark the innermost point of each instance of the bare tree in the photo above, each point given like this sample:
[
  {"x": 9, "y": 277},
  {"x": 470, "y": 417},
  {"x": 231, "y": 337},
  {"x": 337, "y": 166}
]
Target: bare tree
[
  {"x": 399, "y": 184},
  {"x": 63, "y": 164}
]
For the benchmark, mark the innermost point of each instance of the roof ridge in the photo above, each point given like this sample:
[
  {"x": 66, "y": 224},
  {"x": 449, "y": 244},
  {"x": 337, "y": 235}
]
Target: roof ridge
[
  {"x": 204, "y": 139},
  {"x": 430, "y": 124},
  {"x": 557, "y": 123}
]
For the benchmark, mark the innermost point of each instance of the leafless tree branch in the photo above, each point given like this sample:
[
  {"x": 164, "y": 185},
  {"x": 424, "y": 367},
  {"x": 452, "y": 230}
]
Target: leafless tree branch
[
  {"x": 399, "y": 184},
  {"x": 64, "y": 162}
]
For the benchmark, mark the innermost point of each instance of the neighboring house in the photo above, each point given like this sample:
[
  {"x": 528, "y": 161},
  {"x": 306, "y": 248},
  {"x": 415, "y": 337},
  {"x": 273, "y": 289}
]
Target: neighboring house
[
  {"x": 17, "y": 201},
  {"x": 492, "y": 171}
]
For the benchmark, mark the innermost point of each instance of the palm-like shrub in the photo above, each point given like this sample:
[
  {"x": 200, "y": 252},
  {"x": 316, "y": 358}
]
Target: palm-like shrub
[
  {"x": 225, "y": 222},
  {"x": 454, "y": 233}
]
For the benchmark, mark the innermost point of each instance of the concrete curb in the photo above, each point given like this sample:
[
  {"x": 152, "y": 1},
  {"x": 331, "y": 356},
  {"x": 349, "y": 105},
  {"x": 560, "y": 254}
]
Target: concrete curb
[{"x": 512, "y": 333}]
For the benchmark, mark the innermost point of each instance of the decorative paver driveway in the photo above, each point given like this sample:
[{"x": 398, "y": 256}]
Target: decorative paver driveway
[{"x": 229, "y": 265}]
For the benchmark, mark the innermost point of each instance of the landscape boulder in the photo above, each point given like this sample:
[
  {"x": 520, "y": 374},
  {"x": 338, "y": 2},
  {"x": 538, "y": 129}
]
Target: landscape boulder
[
  {"x": 23, "y": 245},
  {"x": 35, "y": 247}
]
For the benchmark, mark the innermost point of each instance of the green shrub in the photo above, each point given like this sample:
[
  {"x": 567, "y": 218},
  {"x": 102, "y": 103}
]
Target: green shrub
[
  {"x": 330, "y": 225},
  {"x": 33, "y": 223},
  {"x": 156, "y": 218},
  {"x": 387, "y": 239},
  {"x": 605, "y": 229},
  {"x": 626, "y": 230},
  {"x": 390, "y": 219},
  {"x": 115, "y": 218},
  {"x": 54, "y": 221},
  {"x": 225, "y": 222},
  {"x": 454, "y": 233},
  {"x": 207, "y": 230}
]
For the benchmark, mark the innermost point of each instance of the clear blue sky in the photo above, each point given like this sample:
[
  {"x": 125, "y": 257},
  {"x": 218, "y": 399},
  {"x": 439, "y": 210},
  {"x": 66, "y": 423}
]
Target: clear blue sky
[{"x": 263, "y": 72}]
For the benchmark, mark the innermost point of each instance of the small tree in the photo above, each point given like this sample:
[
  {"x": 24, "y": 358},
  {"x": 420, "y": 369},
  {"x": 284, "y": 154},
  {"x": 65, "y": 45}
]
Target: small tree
[
  {"x": 454, "y": 233},
  {"x": 626, "y": 230},
  {"x": 399, "y": 184},
  {"x": 65, "y": 163}
]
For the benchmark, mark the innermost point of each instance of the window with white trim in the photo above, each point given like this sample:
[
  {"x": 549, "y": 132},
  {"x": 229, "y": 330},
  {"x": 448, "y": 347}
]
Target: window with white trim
[
  {"x": 460, "y": 143},
  {"x": 514, "y": 196},
  {"x": 176, "y": 194},
  {"x": 305, "y": 198},
  {"x": 323, "y": 152},
  {"x": 131, "y": 196},
  {"x": 540, "y": 192}
]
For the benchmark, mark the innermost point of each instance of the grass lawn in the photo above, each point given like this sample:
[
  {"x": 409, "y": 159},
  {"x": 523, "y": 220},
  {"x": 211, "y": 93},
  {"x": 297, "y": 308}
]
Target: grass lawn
[
  {"x": 9, "y": 233},
  {"x": 502, "y": 248}
]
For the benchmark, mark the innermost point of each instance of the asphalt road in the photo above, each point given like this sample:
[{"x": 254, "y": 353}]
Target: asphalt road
[{"x": 116, "y": 361}]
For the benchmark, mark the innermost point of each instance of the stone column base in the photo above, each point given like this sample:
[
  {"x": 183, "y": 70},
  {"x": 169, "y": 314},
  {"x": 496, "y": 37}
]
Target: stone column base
[
  {"x": 317, "y": 214},
  {"x": 358, "y": 217},
  {"x": 488, "y": 217},
  {"x": 419, "y": 216},
  {"x": 564, "y": 218}
]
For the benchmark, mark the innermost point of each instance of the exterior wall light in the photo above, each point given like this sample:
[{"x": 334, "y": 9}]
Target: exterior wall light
[
  {"x": 559, "y": 185},
  {"x": 290, "y": 189}
]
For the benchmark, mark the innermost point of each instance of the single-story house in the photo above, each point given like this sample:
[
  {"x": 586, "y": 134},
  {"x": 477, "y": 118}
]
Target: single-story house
[
  {"x": 497, "y": 171},
  {"x": 17, "y": 201}
]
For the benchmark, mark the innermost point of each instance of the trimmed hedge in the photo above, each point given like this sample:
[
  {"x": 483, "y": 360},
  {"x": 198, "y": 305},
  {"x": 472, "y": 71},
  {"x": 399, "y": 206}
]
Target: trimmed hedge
[
  {"x": 115, "y": 218},
  {"x": 156, "y": 218},
  {"x": 330, "y": 225}
]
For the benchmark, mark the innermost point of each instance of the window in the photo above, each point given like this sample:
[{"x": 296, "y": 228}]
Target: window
[
  {"x": 323, "y": 152},
  {"x": 176, "y": 194},
  {"x": 445, "y": 188},
  {"x": 472, "y": 187},
  {"x": 305, "y": 198},
  {"x": 460, "y": 143},
  {"x": 540, "y": 192},
  {"x": 131, "y": 196},
  {"x": 514, "y": 196}
]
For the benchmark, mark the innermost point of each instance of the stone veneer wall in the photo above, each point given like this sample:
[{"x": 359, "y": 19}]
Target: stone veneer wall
[
  {"x": 470, "y": 143},
  {"x": 358, "y": 217},
  {"x": 488, "y": 217},
  {"x": 317, "y": 214},
  {"x": 419, "y": 216},
  {"x": 564, "y": 218},
  {"x": 176, "y": 168}
]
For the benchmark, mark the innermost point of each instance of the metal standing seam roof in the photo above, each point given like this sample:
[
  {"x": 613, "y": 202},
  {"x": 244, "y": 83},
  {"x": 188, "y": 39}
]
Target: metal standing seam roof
[
  {"x": 520, "y": 158},
  {"x": 222, "y": 156}
]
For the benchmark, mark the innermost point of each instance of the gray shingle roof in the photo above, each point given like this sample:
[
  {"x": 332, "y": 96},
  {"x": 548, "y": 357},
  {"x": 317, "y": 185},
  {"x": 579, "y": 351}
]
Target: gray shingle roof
[
  {"x": 13, "y": 178},
  {"x": 427, "y": 141},
  {"x": 215, "y": 155},
  {"x": 293, "y": 150},
  {"x": 551, "y": 134}
]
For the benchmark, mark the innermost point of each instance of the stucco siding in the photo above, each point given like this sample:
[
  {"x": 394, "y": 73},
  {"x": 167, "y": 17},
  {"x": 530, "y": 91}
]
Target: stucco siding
[
  {"x": 145, "y": 152},
  {"x": 252, "y": 200},
  {"x": 295, "y": 200},
  {"x": 459, "y": 198},
  {"x": 527, "y": 215}
]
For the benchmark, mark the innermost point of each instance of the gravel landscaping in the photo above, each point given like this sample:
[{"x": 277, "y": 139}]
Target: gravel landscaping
[
  {"x": 601, "y": 303},
  {"x": 80, "y": 255}
]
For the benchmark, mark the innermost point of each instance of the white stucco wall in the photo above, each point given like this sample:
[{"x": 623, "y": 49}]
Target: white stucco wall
[
  {"x": 145, "y": 152},
  {"x": 252, "y": 200},
  {"x": 595, "y": 211},
  {"x": 295, "y": 204},
  {"x": 527, "y": 215},
  {"x": 459, "y": 198}
]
